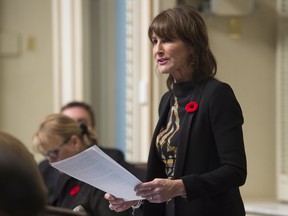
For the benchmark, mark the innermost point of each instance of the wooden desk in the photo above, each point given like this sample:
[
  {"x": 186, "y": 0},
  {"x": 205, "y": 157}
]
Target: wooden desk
[
  {"x": 266, "y": 208},
  {"x": 58, "y": 211}
]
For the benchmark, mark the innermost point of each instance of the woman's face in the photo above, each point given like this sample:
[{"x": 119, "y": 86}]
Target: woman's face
[
  {"x": 62, "y": 149},
  {"x": 173, "y": 57}
]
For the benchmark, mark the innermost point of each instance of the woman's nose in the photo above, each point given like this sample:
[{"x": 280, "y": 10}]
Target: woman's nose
[{"x": 158, "y": 49}]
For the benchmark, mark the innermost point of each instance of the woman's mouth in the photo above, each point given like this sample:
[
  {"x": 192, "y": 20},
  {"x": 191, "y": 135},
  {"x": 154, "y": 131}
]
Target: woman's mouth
[{"x": 162, "y": 61}]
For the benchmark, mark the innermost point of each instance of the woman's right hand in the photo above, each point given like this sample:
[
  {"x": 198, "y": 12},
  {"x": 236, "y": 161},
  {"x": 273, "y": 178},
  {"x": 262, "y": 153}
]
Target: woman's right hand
[{"x": 118, "y": 204}]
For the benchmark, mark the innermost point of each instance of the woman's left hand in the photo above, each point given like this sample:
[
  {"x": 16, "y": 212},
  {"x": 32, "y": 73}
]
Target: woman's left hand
[{"x": 160, "y": 190}]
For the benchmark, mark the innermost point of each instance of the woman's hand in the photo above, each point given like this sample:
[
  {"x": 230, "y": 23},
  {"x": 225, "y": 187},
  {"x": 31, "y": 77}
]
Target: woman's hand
[
  {"x": 118, "y": 204},
  {"x": 160, "y": 190}
]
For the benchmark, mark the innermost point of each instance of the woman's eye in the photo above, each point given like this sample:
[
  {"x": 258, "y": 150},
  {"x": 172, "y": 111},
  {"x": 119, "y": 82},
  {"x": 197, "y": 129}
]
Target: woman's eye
[{"x": 154, "y": 42}]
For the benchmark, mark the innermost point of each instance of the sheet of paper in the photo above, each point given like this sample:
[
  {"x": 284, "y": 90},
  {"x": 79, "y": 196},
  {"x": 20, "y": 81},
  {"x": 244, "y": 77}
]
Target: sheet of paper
[{"x": 96, "y": 168}]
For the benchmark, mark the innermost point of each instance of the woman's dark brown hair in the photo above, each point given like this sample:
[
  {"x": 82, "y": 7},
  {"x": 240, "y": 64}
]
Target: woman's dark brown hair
[{"x": 185, "y": 23}]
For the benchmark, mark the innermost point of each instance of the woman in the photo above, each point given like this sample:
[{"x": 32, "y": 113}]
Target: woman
[
  {"x": 60, "y": 137},
  {"x": 82, "y": 113},
  {"x": 22, "y": 190},
  {"x": 197, "y": 159}
]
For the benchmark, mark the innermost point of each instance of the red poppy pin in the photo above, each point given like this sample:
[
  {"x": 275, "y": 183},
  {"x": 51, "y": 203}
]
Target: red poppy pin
[
  {"x": 74, "y": 190},
  {"x": 191, "y": 107}
]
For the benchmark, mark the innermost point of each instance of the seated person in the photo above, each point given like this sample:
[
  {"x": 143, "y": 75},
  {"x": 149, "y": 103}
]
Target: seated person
[
  {"x": 82, "y": 113},
  {"x": 22, "y": 190},
  {"x": 58, "y": 138}
]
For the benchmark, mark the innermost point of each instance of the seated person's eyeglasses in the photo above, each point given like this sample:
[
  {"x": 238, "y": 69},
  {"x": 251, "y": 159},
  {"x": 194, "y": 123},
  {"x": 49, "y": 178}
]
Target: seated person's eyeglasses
[{"x": 53, "y": 154}]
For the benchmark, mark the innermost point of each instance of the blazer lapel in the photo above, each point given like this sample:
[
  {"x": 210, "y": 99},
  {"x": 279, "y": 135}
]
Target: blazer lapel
[
  {"x": 184, "y": 135},
  {"x": 152, "y": 160},
  {"x": 164, "y": 111}
]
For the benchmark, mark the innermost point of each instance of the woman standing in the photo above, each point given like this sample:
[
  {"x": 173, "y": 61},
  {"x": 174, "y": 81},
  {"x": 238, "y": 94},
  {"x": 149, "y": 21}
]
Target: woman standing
[{"x": 197, "y": 158}]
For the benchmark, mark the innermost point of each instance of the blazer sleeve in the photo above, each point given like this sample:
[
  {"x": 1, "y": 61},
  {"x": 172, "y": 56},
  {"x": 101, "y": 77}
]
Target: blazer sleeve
[{"x": 225, "y": 119}]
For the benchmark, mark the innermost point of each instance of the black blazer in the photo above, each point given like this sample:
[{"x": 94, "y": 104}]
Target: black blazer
[
  {"x": 92, "y": 199},
  {"x": 74, "y": 193},
  {"x": 211, "y": 158}
]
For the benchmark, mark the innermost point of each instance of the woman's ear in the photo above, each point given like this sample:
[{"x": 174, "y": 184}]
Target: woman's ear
[{"x": 76, "y": 142}]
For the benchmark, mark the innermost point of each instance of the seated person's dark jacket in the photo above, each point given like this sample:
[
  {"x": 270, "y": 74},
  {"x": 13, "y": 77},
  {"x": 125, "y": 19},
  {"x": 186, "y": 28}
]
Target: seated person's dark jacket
[
  {"x": 73, "y": 193},
  {"x": 60, "y": 186}
]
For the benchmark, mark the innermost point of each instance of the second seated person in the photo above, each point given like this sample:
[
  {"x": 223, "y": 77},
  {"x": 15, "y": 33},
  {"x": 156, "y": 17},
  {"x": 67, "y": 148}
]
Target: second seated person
[
  {"x": 60, "y": 137},
  {"x": 82, "y": 113}
]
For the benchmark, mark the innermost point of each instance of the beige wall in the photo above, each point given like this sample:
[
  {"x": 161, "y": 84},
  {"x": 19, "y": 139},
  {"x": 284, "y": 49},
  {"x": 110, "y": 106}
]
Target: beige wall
[
  {"x": 26, "y": 79},
  {"x": 247, "y": 63}
]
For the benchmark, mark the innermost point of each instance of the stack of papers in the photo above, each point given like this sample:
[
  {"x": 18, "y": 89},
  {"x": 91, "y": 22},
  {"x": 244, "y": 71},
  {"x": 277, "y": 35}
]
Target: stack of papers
[{"x": 96, "y": 168}]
